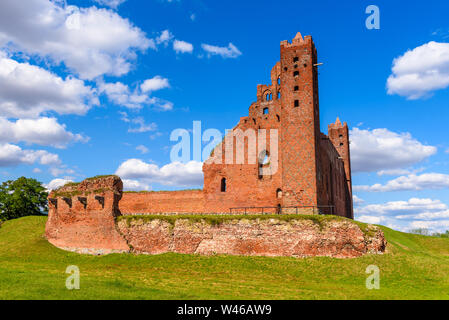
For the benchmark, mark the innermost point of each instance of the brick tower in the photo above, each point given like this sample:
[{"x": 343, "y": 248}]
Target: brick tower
[{"x": 300, "y": 128}]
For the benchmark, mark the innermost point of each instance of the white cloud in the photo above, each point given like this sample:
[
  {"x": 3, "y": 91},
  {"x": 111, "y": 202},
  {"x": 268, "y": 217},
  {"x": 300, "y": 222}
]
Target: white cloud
[
  {"x": 421, "y": 71},
  {"x": 154, "y": 84},
  {"x": 90, "y": 41},
  {"x": 411, "y": 182},
  {"x": 381, "y": 149},
  {"x": 37, "y": 170},
  {"x": 398, "y": 172},
  {"x": 164, "y": 38},
  {"x": 230, "y": 51},
  {"x": 43, "y": 131},
  {"x": 120, "y": 94},
  {"x": 142, "y": 126},
  {"x": 142, "y": 149},
  {"x": 371, "y": 219},
  {"x": 193, "y": 17},
  {"x": 135, "y": 185},
  {"x": 56, "y": 183},
  {"x": 12, "y": 155},
  {"x": 28, "y": 91},
  {"x": 357, "y": 201},
  {"x": 110, "y": 3},
  {"x": 447, "y": 150},
  {"x": 173, "y": 174},
  {"x": 405, "y": 215},
  {"x": 58, "y": 171},
  {"x": 182, "y": 46}
]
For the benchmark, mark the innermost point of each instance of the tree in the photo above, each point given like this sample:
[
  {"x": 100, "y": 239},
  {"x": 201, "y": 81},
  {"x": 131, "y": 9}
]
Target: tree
[{"x": 22, "y": 197}]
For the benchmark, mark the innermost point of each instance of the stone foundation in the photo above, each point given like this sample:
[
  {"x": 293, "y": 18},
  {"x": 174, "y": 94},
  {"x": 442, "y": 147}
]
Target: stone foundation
[{"x": 301, "y": 237}]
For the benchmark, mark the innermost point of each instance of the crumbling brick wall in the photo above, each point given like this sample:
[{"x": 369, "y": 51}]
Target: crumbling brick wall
[{"x": 82, "y": 216}]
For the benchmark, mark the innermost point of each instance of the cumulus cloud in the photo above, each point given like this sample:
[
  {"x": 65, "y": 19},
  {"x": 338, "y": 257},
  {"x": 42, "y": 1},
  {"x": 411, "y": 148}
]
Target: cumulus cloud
[
  {"x": 154, "y": 84},
  {"x": 230, "y": 51},
  {"x": 12, "y": 155},
  {"x": 56, "y": 183},
  {"x": 405, "y": 215},
  {"x": 411, "y": 182},
  {"x": 28, "y": 91},
  {"x": 42, "y": 131},
  {"x": 89, "y": 41},
  {"x": 421, "y": 71},
  {"x": 173, "y": 174},
  {"x": 110, "y": 3},
  {"x": 164, "y": 38},
  {"x": 381, "y": 149},
  {"x": 182, "y": 46},
  {"x": 135, "y": 185},
  {"x": 120, "y": 94}
]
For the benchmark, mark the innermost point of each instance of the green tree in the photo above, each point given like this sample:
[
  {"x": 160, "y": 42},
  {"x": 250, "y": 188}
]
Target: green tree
[{"x": 22, "y": 197}]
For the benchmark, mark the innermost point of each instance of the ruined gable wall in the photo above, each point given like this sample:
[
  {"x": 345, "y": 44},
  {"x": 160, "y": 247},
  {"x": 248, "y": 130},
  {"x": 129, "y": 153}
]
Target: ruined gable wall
[{"x": 244, "y": 185}]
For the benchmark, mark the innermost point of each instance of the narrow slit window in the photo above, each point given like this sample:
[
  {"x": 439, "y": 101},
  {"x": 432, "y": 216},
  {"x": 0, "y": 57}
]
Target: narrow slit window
[
  {"x": 223, "y": 185},
  {"x": 296, "y": 103}
]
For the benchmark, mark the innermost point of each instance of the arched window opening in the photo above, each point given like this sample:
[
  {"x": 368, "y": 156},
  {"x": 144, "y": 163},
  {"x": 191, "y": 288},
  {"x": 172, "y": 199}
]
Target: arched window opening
[
  {"x": 295, "y": 59},
  {"x": 279, "y": 118},
  {"x": 271, "y": 96},
  {"x": 223, "y": 185},
  {"x": 265, "y": 110},
  {"x": 279, "y": 80},
  {"x": 341, "y": 144},
  {"x": 296, "y": 73},
  {"x": 296, "y": 88},
  {"x": 279, "y": 95},
  {"x": 264, "y": 158},
  {"x": 279, "y": 193},
  {"x": 296, "y": 103}
]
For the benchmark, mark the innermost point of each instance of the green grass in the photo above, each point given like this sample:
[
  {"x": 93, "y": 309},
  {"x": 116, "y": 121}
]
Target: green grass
[{"x": 415, "y": 267}]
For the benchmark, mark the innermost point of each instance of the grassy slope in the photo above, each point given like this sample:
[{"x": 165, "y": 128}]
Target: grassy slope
[{"x": 416, "y": 267}]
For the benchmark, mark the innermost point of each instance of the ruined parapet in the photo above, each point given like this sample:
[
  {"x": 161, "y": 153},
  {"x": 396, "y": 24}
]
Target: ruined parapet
[{"x": 82, "y": 216}]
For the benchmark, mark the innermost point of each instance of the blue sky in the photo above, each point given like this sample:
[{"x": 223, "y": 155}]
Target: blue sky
[{"x": 96, "y": 87}]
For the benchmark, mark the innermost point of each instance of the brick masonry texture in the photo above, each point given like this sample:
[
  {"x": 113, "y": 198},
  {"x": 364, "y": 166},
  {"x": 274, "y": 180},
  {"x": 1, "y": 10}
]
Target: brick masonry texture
[{"x": 264, "y": 237}]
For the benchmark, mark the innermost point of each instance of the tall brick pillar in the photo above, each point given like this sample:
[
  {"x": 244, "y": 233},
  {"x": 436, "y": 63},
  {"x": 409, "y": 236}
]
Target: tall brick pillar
[
  {"x": 339, "y": 136},
  {"x": 300, "y": 121}
]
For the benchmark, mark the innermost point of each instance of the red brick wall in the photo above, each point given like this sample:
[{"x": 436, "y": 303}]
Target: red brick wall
[
  {"x": 188, "y": 201},
  {"x": 89, "y": 229}
]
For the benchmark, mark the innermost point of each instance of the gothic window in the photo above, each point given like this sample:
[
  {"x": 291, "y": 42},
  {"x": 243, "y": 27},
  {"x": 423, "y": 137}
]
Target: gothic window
[
  {"x": 265, "y": 110},
  {"x": 279, "y": 193},
  {"x": 279, "y": 118},
  {"x": 279, "y": 95},
  {"x": 279, "y": 80},
  {"x": 296, "y": 73}
]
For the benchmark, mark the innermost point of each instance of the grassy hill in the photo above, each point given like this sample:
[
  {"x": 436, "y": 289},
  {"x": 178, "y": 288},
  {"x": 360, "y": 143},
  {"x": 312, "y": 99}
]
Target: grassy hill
[{"x": 415, "y": 267}]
